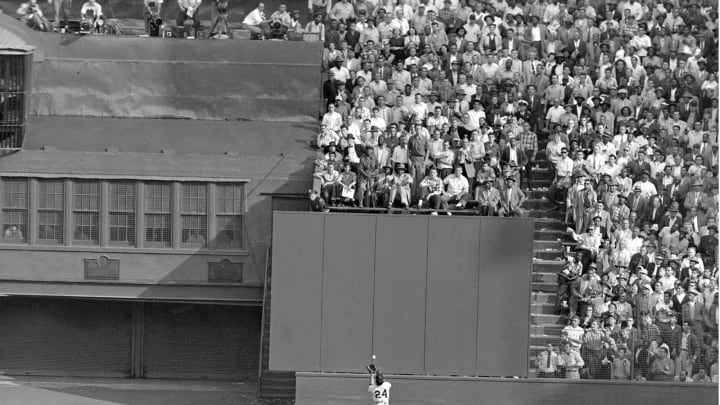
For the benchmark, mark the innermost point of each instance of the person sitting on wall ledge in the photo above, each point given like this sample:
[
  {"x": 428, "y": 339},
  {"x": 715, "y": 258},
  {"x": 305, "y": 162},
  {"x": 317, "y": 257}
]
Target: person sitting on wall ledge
[
  {"x": 92, "y": 16},
  {"x": 189, "y": 9},
  {"x": 31, "y": 14},
  {"x": 317, "y": 203},
  {"x": 257, "y": 23}
]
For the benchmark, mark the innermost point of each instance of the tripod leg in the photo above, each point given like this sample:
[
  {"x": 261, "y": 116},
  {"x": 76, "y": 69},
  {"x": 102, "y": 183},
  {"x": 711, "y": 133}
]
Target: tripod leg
[{"x": 215, "y": 24}]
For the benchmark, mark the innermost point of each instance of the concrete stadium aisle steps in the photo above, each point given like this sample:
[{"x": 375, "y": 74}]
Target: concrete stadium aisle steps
[
  {"x": 547, "y": 260},
  {"x": 274, "y": 385}
]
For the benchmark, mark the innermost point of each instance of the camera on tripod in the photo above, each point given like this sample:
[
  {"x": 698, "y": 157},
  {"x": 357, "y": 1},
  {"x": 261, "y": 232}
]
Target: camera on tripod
[
  {"x": 222, "y": 7},
  {"x": 154, "y": 21}
]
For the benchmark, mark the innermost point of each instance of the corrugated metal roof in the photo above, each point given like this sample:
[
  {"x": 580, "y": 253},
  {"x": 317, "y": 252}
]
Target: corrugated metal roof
[{"x": 11, "y": 42}]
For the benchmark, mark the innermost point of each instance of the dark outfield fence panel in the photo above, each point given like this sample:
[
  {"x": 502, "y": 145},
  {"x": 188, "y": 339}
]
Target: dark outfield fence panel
[
  {"x": 400, "y": 268},
  {"x": 296, "y": 319},
  {"x": 452, "y": 301},
  {"x": 410, "y": 289},
  {"x": 348, "y": 256},
  {"x": 506, "y": 248},
  {"x": 327, "y": 389}
]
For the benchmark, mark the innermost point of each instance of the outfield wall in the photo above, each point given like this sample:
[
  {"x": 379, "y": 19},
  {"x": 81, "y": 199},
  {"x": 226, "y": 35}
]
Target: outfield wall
[
  {"x": 427, "y": 295},
  {"x": 351, "y": 389}
]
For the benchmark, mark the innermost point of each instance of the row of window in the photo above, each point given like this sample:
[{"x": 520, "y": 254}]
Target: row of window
[{"x": 117, "y": 203}]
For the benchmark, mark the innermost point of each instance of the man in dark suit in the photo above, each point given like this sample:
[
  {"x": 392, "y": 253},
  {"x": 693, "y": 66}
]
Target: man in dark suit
[
  {"x": 534, "y": 106},
  {"x": 511, "y": 199},
  {"x": 577, "y": 47},
  {"x": 693, "y": 312},
  {"x": 598, "y": 211},
  {"x": 513, "y": 154},
  {"x": 351, "y": 36},
  {"x": 637, "y": 166},
  {"x": 683, "y": 107},
  {"x": 708, "y": 245},
  {"x": 637, "y": 203},
  {"x": 511, "y": 42},
  {"x": 654, "y": 211},
  {"x": 693, "y": 154}
]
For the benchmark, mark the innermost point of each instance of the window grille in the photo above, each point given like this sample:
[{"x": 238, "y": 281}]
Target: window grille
[
  {"x": 86, "y": 214},
  {"x": 15, "y": 210},
  {"x": 51, "y": 203},
  {"x": 194, "y": 214},
  {"x": 122, "y": 214},
  {"x": 229, "y": 207},
  {"x": 158, "y": 229}
]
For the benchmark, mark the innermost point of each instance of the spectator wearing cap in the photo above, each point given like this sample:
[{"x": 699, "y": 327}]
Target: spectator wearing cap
[
  {"x": 380, "y": 195},
  {"x": 488, "y": 197},
  {"x": 511, "y": 199},
  {"x": 641, "y": 302},
  {"x": 693, "y": 312},
  {"x": 688, "y": 350},
  {"x": 662, "y": 367},
  {"x": 572, "y": 359},
  {"x": 401, "y": 187},
  {"x": 598, "y": 216},
  {"x": 709, "y": 244},
  {"x": 316, "y": 26},
  {"x": 315, "y": 202}
]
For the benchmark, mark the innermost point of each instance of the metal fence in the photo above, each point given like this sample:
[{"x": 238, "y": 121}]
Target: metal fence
[{"x": 604, "y": 334}]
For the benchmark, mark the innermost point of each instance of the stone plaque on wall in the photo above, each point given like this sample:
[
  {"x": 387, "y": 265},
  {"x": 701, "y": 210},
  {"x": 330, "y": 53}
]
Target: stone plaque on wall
[
  {"x": 225, "y": 271},
  {"x": 102, "y": 268}
]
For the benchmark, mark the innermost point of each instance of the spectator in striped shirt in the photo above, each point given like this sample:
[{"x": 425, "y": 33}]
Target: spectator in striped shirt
[
  {"x": 432, "y": 190},
  {"x": 529, "y": 142}
]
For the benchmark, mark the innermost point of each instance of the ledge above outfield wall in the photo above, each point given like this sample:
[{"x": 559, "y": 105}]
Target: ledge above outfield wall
[
  {"x": 114, "y": 76},
  {"x": 351, "y": 389}
]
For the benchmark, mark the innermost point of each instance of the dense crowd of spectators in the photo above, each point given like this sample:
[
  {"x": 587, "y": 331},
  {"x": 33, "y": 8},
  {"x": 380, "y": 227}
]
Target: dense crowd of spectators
[
  {"x": 452, "y": 104},
  {"x": 475, "y": 90}
]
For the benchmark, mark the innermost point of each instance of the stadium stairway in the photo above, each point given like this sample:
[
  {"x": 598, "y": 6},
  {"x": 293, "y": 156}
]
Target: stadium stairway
[
  {"x": 274, "y": 385},
  {"x": 548, "y": 255}
]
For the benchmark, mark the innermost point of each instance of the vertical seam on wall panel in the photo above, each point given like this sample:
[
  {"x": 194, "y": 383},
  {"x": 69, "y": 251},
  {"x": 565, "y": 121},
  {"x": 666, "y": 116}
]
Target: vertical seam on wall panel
[
  {"x": 530, "y": 294},
  {"x": 374, "y": 269},
  {"x": 427, "y": 266},
  {"x": 477, "y": 295},
  {"x": 322, "y": 293}
]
